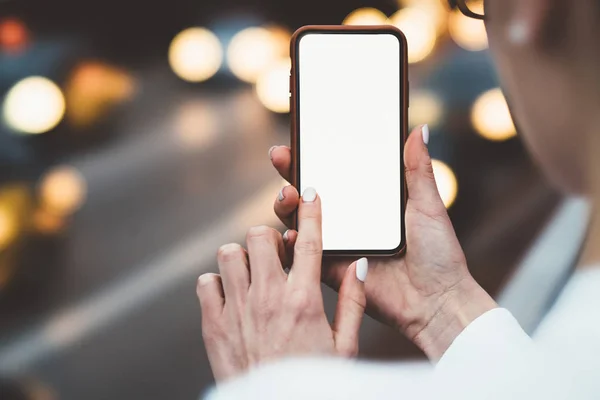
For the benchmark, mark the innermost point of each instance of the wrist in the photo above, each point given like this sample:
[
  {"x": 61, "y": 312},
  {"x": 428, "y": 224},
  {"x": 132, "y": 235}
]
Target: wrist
[{"x": 458, "y": 308}]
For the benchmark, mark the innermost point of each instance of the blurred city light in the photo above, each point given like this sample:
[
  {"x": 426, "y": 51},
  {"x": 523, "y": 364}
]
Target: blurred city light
[
  {"x": 273, "y": 87},
  {"x": 9, "y": 226},
  {"x": 195, "y": 54},
  {"x": 92, "y": 89},
  {"x": 34, "y": 105},
  {"x": 195, "y": 124},
  {"x": 437, "y": 11},
  {"x": 13, "y": 35},
  {"x": 426, "y": 107},
  {"x": 468, "y": 33},
  {"x": 281, "y": 37},
  {"x": 251, "y": 52},
  {"x": 62, "y": 190},
  {"x": 47, "y": 222},
  {"x": 365, "y": 16},
  {"x": 446, "y": 182},
  {"x": 15, "y": 203},
  {"x": 419, "y": 30},
  {"x": 491, "y": 117}
]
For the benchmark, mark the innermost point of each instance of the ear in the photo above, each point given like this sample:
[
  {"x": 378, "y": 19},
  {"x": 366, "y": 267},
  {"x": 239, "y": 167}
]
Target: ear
[{"x": 530, "y": 21}]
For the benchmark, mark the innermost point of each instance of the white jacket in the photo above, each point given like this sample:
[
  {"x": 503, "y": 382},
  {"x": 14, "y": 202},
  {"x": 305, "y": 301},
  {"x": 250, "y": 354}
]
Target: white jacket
[{"x": 493, "y": 358}]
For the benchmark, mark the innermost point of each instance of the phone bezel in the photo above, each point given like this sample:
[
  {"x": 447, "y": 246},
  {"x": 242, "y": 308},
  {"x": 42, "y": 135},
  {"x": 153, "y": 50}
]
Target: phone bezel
[{"x": 295, "y": 120}]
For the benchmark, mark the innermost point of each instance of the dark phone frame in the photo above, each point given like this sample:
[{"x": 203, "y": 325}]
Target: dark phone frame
[{"x": 295, "y": 120}]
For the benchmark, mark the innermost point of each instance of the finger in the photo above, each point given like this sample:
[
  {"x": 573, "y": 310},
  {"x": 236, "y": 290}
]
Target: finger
[
  {"x": 209, "y": 290},
  {"x": 308, "y": 250},
  {"x": 233, "y": 265},
  {"x": 265, "y": 252},
  {"x": 422, "y": 189},
  {"x": 350, "y": 308},
  {"x": 286, "y": 204},
  {"x": 289, "y": 240},
  {"x": 281, "y": 157},
  {"x": 333, "y": 269}
]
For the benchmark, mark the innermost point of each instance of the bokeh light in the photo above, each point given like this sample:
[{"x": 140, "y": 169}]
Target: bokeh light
[
  {"x": 251, "y": 52},
  {"x": 13, "y": 35},
  {"x": 92, "y": 89},
  {"x": 491, "y": 116},
  {"x": 426, "y": 107},
  {"x": 272, "y": 87},
  {"x": 195, "y": 125},
  {"x": 419, "y": 30},
  {"x": 47, "y": 222},
  {"x": 468, "y": 33},
  {"x": 446, "y": 182},
  {"x": 195, "y": 54},
  {"x": 365, "y": 16},
  {"x": 436, "y": 10},
  {"x": 15, "y": 205},
  {"x": 280, "y": 37},
  {"x": 9, "y": 226},
  {"x": 62, "y": 190},
  {"x": 34, "y": 105}
]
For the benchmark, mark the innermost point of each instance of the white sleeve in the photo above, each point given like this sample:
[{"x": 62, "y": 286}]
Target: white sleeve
[
  {"x": 493, "y": 358},
  {"x": 495, "y": 338},
  {"x": 326, "y": 378}
]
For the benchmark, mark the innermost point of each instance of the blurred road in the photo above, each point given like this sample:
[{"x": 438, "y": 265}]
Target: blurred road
[{"x": 187, "y": 172}]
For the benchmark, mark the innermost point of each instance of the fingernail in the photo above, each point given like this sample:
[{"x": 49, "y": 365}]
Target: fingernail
[
  {"x": 362, "y": 267},
  {"x": 280, "y": 196},
  {"x": 309, "y": 195},
  {"x": 271, "y": 151},
  {"x": 204, "y": 279},
  {"x": 425, "y": 133},
  {"x": 286, "y": 236}
]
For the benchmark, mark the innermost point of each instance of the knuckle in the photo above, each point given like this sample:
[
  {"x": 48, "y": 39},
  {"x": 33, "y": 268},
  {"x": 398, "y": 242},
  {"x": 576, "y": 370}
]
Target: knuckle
[
  {"x": 348, "y": 350},
  {"x": 213, "y": 332},
  {"x": 310, "y": 214},
  {"x": 263, "y": 305},
  {"x": 260, "y": 233},
  {"x": 427, "y": 170},
  {"x": 308, "y": 247},
  {"x": 300, "y": 301},
  {"x": 422, "y": 169},
  {"x": 230, "y": 252}
]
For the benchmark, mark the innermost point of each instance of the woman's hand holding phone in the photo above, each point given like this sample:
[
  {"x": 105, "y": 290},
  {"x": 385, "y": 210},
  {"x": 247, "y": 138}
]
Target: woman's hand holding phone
[
  {"x": 254, "y": 312},
  {"x": 427, "y": 293}
]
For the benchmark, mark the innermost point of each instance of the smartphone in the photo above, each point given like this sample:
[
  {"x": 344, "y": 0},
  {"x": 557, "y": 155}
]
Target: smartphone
[{"x": 349, "y": 106}]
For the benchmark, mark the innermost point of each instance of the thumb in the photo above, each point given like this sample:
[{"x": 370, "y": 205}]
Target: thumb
[
  {"x": 350, "y": 308},
  {"x": 419, "y": 172}
]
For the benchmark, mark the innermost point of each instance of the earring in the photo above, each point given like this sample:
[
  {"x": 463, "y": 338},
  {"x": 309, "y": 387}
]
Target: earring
[{"x": 518, "y": 33}]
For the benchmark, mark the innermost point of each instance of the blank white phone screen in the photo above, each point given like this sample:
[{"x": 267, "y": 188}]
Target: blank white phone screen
[{"x": 350, "y": 136}]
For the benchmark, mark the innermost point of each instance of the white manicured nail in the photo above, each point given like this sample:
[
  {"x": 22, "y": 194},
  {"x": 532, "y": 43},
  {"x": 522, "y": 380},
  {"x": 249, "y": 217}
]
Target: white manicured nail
[
  {"x": 271, "y": 151},
  {"x": 280, "y": 196},
  {"x": 286, "y": 237},
  {"x": 362, "y": 267},
  {"x": 425, "y": 133},
  {"x": 309, "y": 195}
]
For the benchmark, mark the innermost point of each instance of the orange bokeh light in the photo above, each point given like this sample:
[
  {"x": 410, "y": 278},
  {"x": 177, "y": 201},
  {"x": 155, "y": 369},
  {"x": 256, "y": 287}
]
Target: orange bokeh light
[
  {"x": 13, "y": 35},
  {"x": 93, "y": 89}
]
